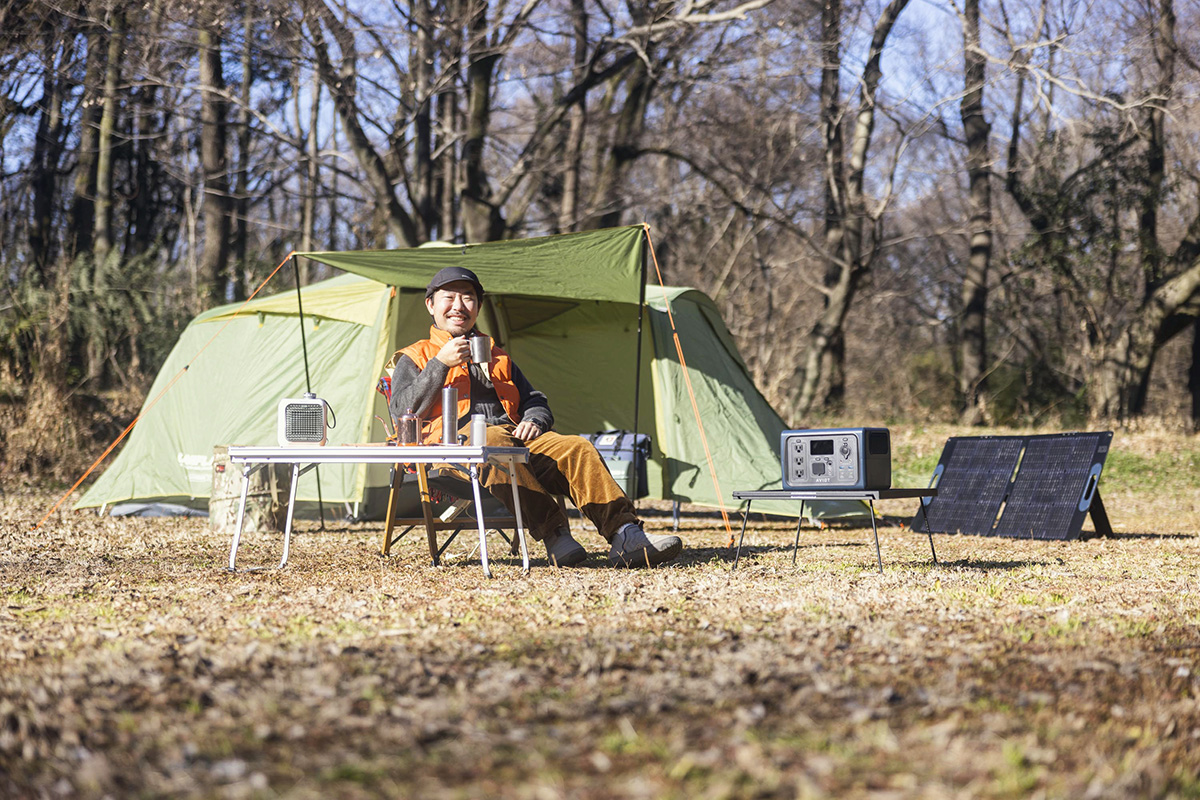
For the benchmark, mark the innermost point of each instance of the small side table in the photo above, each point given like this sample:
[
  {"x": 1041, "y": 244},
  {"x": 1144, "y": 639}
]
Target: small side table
[{"x": 807, "y": 495}]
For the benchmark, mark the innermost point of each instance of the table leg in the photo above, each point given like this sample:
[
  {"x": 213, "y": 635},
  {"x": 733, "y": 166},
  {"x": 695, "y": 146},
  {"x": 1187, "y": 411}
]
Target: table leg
[
  {"x": 237, "y": 533},
  {"x": 483, "y": 557},
  {"x": 512, "y": 472},
  {"x": 287, "y": 528},
  {"x": 799, "y": 522},
  {"x": 745, "y": 518},
  {"x": 874, "y": 530},
  {"x": 928, "y": 532}
]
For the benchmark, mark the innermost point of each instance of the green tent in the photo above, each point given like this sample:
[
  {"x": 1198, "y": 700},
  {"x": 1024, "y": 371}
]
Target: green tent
[{"x": 567, "y": 309}]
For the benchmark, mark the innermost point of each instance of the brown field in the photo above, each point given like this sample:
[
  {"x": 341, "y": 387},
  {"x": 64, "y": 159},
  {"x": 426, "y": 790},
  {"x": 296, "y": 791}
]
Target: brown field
[{"x": 134, "y": 665}]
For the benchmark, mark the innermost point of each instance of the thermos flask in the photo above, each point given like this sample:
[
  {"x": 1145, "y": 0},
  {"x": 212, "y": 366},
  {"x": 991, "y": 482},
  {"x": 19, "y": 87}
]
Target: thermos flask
[{"x": 449, "y": 415}]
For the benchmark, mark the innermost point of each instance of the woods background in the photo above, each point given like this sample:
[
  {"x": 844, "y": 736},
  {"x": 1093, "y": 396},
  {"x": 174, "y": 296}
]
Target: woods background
[{"x": 976, "y": 211}]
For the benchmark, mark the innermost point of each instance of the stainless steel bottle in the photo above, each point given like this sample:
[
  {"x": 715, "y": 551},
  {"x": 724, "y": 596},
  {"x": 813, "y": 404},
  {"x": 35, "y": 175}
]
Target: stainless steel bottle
[{"x": 449, "y": 415}]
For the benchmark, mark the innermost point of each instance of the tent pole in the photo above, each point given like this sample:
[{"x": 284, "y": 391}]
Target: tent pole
[
  {"x": 637, "y": 376},
  {"x": 307, "y": 378}
]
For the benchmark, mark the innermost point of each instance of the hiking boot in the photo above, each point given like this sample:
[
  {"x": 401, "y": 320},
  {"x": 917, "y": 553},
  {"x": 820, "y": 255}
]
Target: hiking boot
[
  {"x": 633, "y": 547},
  {"x": 564, "y": 551}
]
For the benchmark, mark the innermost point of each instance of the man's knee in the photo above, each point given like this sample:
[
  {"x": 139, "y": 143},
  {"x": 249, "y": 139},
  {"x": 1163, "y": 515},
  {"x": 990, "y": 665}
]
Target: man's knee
[{"x": 498, "y": 436}]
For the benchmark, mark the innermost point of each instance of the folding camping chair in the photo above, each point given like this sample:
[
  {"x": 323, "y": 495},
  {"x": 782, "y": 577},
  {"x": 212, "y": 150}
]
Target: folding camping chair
[{"x": 437, "y": 485}]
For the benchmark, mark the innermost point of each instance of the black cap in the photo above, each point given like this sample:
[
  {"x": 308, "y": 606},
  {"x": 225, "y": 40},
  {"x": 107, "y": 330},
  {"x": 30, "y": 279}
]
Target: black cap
[{"x": 450, "y": 275}]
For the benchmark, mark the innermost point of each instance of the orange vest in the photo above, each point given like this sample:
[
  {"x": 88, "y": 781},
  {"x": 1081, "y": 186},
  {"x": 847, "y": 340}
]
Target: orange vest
[{"x": 500, "y": 367}]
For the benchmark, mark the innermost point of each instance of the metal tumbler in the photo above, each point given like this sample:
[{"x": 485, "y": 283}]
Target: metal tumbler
[
  {"x": 481, "y": 349},
  {"x": 449, "y": 415}
]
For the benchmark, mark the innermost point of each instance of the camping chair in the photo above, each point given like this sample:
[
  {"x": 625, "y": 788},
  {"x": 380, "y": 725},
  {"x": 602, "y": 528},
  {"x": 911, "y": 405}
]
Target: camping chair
[{"x": 437, "y": 485}]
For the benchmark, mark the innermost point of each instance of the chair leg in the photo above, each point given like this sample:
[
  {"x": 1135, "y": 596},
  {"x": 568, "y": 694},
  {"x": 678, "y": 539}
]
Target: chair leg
[{"x": 393, "y": 494}]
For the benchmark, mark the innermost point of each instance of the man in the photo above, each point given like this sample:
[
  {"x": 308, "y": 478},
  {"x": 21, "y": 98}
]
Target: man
[{"x": 517, "y": 414}]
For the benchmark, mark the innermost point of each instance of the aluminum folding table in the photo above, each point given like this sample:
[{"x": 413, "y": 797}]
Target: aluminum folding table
[
  {"x": 809, "y": 495},
  {"x": 305, "y": 458}
]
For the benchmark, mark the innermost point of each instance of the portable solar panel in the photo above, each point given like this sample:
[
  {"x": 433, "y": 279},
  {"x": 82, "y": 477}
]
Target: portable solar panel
[
  {"x": 972, "y": 475},
  {"x": 1055, "y": 486},
  {"x": 1038, "y": 487}
]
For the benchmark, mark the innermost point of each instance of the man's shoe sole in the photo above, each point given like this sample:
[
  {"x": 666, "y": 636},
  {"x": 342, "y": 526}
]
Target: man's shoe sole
[{"x": 648, "y": 556}]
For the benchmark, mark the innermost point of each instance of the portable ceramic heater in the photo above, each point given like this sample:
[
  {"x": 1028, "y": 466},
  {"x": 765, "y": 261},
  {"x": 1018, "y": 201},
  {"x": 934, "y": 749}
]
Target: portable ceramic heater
[{"x": 303, "y": 421}]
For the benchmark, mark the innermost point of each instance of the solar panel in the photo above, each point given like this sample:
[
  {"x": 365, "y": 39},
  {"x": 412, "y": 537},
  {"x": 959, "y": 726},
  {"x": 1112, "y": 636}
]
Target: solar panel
[
  {"x": 1048, "y": 498},
  {"x": 972, "y": 478},
  {"x": 1019, "y": 486}
]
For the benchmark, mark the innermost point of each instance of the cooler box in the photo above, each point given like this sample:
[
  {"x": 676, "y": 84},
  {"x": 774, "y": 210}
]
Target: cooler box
[{"x": 625, "y": 454}]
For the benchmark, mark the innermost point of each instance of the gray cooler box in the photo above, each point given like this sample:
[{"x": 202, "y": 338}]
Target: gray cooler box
[{"x": 625, "y": 454}]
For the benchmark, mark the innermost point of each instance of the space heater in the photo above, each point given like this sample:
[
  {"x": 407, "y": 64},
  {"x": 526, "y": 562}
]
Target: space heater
[{"x": 303, "y": 421}]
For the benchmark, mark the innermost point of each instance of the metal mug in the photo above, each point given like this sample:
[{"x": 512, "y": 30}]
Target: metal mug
[{"x": 481, "y": 349}]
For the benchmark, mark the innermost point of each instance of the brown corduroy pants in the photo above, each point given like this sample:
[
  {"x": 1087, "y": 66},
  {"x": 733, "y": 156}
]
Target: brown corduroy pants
[{"x": 558, "y": 465}]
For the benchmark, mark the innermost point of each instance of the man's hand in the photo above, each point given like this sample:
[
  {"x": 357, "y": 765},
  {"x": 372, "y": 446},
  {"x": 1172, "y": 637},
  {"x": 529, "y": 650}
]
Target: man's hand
[
  {"x": 455, "y": 352},
  {"x": 526, "y": 431}
]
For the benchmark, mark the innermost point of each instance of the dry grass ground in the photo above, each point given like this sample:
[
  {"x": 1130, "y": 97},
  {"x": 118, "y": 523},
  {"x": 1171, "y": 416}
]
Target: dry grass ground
[{"x": 133, "y": 664}]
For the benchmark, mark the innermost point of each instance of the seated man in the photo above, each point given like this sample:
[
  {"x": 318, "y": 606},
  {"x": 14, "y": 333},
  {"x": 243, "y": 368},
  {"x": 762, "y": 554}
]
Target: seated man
[{"x": 517, "y": 414}]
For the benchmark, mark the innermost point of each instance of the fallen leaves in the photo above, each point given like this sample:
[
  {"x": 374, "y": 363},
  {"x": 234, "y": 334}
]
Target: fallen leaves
[{"x": 134, "y": 664}]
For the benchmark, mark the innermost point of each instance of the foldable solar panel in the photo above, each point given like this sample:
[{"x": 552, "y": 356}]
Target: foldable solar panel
[
  {"x": 1038, "y": 487},
  {"x": 972, "y": 478}
]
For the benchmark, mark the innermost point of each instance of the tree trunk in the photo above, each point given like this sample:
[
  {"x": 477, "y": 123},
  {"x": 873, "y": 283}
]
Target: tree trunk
[
  {"x": 308, "y": 213},
  {"x": 568, "y": 214},
  {"x": 608, "y": 195},
  {"x": 1194, "y": 375},
  {"x": 47, "y": 152},
  {"x": 846, "y": 213},
  {"x": 481, "y": 217},
  {"x": 1154, "y": 133},
  {"x": 332, "y": 240},
  {"x": 241, "y": 187},
  {"x": 825, "y": 336},
  {"x": 973, "y": 326},
  {"x": 82, "y": 216},
  {"x": 1118, "y": 389},
  {"x": 447, "y": 165},
  {"x": 105, "y": 144},
  {"x": 214, "y": 123},
  {"x": 421, "y": 65}
]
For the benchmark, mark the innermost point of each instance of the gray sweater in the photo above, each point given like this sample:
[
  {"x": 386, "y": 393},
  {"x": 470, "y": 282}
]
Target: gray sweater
[{"x": 419, "y": 389}]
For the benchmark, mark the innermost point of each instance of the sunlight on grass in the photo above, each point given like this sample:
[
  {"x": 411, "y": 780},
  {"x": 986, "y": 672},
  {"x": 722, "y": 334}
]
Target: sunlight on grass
[{"x": 347, "y": 675}]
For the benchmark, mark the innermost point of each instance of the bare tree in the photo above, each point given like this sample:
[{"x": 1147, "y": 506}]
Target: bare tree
[
  {"x": 214, "y": 158},
  {"x": 1097, "y": 223},
  {"x": 850, "y": 217},
  {"x": 972, "y": 377},
  {"x": 102, "y": 229}
]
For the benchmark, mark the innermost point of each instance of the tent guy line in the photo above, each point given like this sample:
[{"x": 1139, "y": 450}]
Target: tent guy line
[
  {"x": 687, "y": 379},
  {"x": 159, "y": 396}
]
